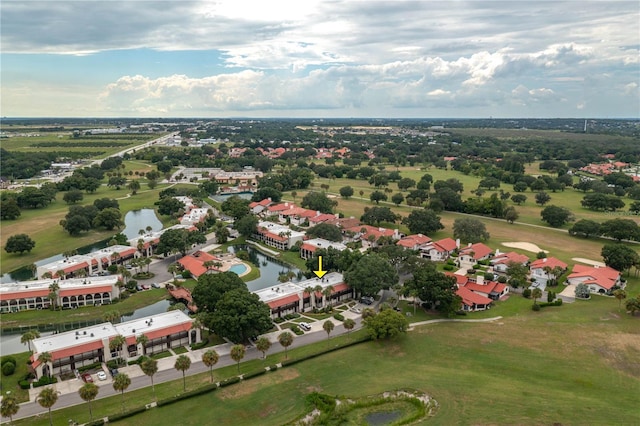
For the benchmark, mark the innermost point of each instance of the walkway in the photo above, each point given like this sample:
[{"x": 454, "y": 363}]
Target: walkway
[{"x": 435, "y": 321}]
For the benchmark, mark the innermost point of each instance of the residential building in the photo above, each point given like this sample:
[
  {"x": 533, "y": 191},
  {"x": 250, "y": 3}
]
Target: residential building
[
  {"x": 547, "y": 268},
  {"x": 86, "y": 264},
  {"x": 473, "y": 253},
  {"x": 439, "y": 251},
  {"x": 369, "y": 235},
  {"x": 257, "y": 207},
  {"x": 72, "y": 293},
  {"x": 501, "y": 261},
  {"x": 414, "y": 242},
  {"x": 599, "y": 279},
  {"x": 74, "y": 349},
  {"x": 309, "y": 247},
  {"x": 195, "y": 263},
  {"x": 278, "y": 236}
]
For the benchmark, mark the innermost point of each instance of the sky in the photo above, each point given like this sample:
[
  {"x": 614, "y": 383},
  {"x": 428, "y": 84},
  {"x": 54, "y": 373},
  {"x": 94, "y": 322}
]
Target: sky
[{"x": 309, "y": 58}]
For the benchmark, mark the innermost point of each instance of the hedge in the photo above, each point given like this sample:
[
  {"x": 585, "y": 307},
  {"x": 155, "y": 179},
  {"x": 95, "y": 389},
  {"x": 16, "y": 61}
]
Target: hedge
[
  {"x": 253, "y": 374},
  {"x": 200, "y": 391},
  {"x": 126, "y": 414},
  {"x": 98, "y": 422},
  {"x": 89, "y": 367},
  {"x": 6, "y": 359},
  {"x": 229, "y": 381},
  {"x": 339, "y": 317},
  {"x": 44, "y": 380}
]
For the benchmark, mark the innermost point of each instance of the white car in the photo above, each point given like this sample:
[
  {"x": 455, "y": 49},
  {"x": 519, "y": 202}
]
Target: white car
[
  {"x": 102, "y": 375},
  {"x": 305, "y": 326}
]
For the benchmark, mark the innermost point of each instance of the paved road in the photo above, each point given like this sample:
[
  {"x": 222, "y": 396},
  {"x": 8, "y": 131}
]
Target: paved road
[{"x": 168, "y": 373}]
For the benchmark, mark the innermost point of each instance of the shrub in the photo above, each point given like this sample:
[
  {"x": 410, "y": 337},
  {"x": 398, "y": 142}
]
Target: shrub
[
  {"x": 339, "y": 317},
  {"x": 526, "y": 293},
  {"x": 129, "y": 413},
  {"x": 24, "y": 384},
  {"x": 476, "y": 266},
  {"x": 461, "y": 313},
  {"x": 450, "y": 262},
  {"x": 6, "y": 359},
  {"x": 98, "y": 422},
  {"x": 229, "y": 381},
  {"x": 89, "y": 367},
  {"x": 550, "y": 296},
  {"x": 448, "y": 267},
  {"x": 8, "y": 369},
  {"x": 471, "y": 271},
  {"x": 278, "y": 320},
  {"x": 502, "y": 279},
  {"x": 44, "y": 380},
  {"x": 535, "y": 307},
  {"x": 186, "y": 274}
]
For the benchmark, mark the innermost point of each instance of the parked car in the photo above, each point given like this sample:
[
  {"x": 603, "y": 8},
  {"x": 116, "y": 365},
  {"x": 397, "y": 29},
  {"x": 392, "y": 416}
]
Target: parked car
[
  {"x": 138, "y": 287},
  {"x": 114, "y": 372},
  {"x": 102, "y": 375},
  {"x": 146, "y": 286},
  {"x": 367, "y": 300},
  {"x": 305, "y": 326},
  {"x": 86, "y": 377},
  {"x": 155, "y": 285}
]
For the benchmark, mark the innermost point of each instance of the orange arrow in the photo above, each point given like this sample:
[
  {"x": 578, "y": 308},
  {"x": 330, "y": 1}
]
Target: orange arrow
[{"x": 319, "y": 273}]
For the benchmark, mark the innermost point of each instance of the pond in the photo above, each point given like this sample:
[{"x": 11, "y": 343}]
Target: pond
[
  {"x": 134, "y": 220},
  {"x": 270, "y": 269},
  {"x": 382, "y": 418}
]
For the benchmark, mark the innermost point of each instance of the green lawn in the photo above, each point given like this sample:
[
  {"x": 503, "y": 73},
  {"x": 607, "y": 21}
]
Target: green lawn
[
  {"x": 80, "y": 317},
  {"x": 519, "y": 370},
  {"x": 43, "y": 225}
]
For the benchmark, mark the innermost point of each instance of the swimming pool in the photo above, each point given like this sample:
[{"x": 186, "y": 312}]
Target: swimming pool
[{"x": 238, "y": 269}]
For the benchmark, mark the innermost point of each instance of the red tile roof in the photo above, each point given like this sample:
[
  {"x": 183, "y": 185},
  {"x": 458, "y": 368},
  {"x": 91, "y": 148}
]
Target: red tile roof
[
  {"x": 411, "y": 241},
  {"x": 604, "y": 276},
  {"x": 264, "y": 202},
  {"x": 271, "y": 235},
  {"x": 77, "y": 349},
  {"x": 447, "y": 244},
  {"x": 154, "y": 334},
  {"x": 322, "y": 218},
  {"x": 280, "y": 207},
  {"x": 85, "y": 290},
  {"x": 339, "y": 287},
  {"x": 470, "y": 298},
  {"x": 479, "y": 250},
  {"x": 195, "y": 263},
  {"x": 371, "y": 230},
  {"x": 551, "y": 262},
  {"x": 308, "y": 247},
  {"x": 24, "y": 294},
  {"x": 283, "y": 301},
  {"x": 510, "y": 257},
  {"x": 460, "y": 279}
]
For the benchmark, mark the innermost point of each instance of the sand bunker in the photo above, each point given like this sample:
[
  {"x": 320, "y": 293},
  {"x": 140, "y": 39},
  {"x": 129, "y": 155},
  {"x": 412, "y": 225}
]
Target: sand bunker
[
  {"x": 525, "y": 246},
  {"x": 588, "y": 261}
]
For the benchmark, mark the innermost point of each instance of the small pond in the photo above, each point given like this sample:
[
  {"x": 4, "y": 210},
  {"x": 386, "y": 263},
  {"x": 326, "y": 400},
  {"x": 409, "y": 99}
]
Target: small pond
[
  {"x": 382, "y": 418},
  {"x": 135, "y": 220}
]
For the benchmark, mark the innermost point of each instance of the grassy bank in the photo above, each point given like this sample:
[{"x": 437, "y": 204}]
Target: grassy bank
[{"x": 519, "y": 370}]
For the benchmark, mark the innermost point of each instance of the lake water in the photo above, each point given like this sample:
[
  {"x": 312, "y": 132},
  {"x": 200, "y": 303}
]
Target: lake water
[
  {"x": 134, "y": 220},
  {"x": 382, "y": 418},
  {"x": 270, "y": 269}
]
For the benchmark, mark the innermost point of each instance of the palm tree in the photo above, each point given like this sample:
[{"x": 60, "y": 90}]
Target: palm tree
[
  {"x": 312, "y": 296},
  {"x": 173, "y": 268},
  {"x": 536, "y": 293},
  {"x": 115, "y": 256},
  {"x": 142, "y": 340},
  {"x": 115, "y": 345},
  {"x": 150, "y": 367},
  {"x": 47, "y": 398},
  {"x": 286, "y": 339},
  {"x": 348, "y": 325},
  {"x": 54, "y": 288},
  {"x": 183, "y": 363},
  {"x": 328, "y": 326},
  {"x": 620, "y": 294},
  {"x": 120, "y": 384},
  {"x": 111, "y": 316},
  {"x": 149, "y": 228},
  {"x": 263, "y": 344},
  {"x": 237, "y": 353},
  {"x": 210, "y": 358},
  {"x": 317, "y": 289},
  {"x": 61, "y": 274},
  {"x": 88, "y": 392},
  {"x": 29, "y": 336},
  {"x": 45, "y": 358},
  {"x": 9, "y": 406},
  {"x": 326, "y": 293}
]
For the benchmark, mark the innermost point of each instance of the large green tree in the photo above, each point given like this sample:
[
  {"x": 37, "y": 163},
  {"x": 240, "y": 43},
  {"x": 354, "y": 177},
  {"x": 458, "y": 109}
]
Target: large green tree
[
  {"x": 108, "y": 219},
  {"x": 470, "y": 230},
  {"x": 318, "y": 201},
  {"x": 436, "y": 288},
  {"x": 375, "y": 215},
  {"x": 386, "y": 325},
  {"x": 556, "y": 216},
  {"x": 247, "y": 225},
  {"x": 211, "y": 287},
  {"x": 9, "y": 209},
  {"x": 179, "y": 241},
  {"x": 170, "y": 206},
  {"x": 325, "y": 231},
  {"x": 423, "y": 221},
  {"x": 346, "y": 192},
  {"x": 619, "y": 256},
  {"x": 585, "y": 228},
  {"x": 19, "y": 243},
  {"x": 621, "y": 229},
  {"x": 236, "y": 207},
  {"x": 240, "y": 315},
  {"x": 371, "y": 274}
]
